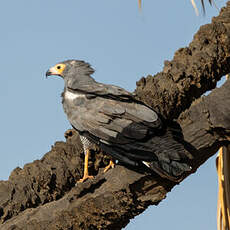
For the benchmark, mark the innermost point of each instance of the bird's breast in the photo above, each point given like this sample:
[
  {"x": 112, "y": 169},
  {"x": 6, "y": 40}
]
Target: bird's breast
[
  {"x": 73, "y": 102},
  {"x": 72, "y": 96}
]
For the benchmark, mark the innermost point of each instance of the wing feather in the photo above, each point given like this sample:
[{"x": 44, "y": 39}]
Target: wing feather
[{"x": 114, "y": 121}]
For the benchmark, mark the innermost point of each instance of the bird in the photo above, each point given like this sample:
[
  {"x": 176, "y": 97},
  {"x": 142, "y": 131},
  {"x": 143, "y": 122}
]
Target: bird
[{"x": 125, "y": 128}]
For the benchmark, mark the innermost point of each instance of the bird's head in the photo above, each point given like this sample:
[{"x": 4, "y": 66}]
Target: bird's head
[{"x": 71, "y": 70}]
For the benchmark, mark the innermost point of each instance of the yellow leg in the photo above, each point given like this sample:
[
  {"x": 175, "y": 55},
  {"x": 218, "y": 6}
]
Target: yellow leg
[
  {"x": 86, "y": 172},
  {"x": 110, "y": 165}
]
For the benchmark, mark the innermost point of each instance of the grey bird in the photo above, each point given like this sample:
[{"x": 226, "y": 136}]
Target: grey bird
[{"x": 123, "y": 127}]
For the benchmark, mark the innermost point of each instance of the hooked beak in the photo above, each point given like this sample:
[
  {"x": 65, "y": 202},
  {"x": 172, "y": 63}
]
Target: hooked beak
[
  {"x": 53, "y": 71},
  {"x": 48, "y": 73}
]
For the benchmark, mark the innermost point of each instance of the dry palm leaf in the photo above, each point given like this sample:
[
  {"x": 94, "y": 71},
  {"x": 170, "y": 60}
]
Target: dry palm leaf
[
  {"x": 193, "y": 4},
  {"x": 223, "y": 204}
]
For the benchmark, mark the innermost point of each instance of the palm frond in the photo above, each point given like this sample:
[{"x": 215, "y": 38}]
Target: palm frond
[
  {"x": 193, "y": 4},
  {"x": 202, "y": 3},
  {"x": 223, "y": 204},
  {"x": 139, "y": 4}
]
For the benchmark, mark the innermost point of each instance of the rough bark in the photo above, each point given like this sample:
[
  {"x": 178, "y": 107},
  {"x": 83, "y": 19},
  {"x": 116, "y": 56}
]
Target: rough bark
[
  {"x": 193, "y": 71},
  {"x": 43, "y": 194}
]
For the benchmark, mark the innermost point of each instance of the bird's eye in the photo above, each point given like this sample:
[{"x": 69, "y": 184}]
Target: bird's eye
[{"x": 58, "y": 67}]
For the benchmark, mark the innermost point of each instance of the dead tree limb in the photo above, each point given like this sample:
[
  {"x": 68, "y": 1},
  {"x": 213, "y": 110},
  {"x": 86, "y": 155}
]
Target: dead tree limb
[{"x": 43, "y": 194}]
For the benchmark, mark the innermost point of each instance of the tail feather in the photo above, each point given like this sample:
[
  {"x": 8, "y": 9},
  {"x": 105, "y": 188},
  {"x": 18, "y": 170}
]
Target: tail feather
[
  {"x": 172, "y": 158},
  {"x": 164, "y": 153},
  {"x": 172, "y": 171}
]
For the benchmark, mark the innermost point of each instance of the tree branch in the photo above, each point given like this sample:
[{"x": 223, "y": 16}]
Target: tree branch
[
  {"x": 42, "y": 195},
  {"x": 193, "y": 70}
]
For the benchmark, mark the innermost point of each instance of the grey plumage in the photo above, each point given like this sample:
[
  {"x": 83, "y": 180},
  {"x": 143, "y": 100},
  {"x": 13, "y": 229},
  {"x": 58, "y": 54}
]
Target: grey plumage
[{"x": 123, "y": 127}]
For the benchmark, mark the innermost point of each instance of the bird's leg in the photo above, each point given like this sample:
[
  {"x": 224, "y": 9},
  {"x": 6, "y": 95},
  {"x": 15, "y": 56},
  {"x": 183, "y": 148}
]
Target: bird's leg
[
  {"x": 86, "y": 171},
  {"x": 110, "y": 165}
]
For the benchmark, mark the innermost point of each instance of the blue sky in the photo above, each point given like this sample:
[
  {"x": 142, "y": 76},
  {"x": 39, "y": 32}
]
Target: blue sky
[{"x": 123, "y": 45}]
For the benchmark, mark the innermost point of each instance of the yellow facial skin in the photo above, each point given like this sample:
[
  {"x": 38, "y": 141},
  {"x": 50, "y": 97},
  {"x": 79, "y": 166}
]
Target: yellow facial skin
[{"x": 56, "y": 70}]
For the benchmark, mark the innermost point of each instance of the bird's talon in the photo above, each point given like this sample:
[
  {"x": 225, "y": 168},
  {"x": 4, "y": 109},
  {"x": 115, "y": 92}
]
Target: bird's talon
[
  {"x": 110, "y": 165},
  {"x": 85, "y": 178}
]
